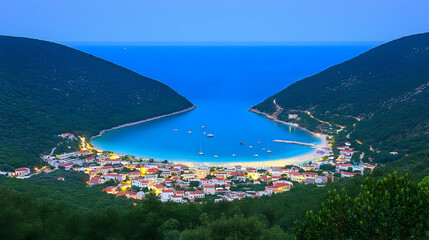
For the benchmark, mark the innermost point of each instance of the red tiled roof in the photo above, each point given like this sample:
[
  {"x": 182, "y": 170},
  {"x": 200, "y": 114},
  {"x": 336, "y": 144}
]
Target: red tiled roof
[
  {"x": 22, "y": 169},
  {"x": 109, "y": 188},
  {"x": 196, "y": 192},
  {"x": 346, "y": 150},
  {"x": 236, "y": 174},
  {"x": 279, "y": 185},
  {"x": 349, "y": 173},
  {"x": 83, "y": 151},
  {"x": 308, "y": 166},
  {"x": 65, "y": 164},
  {"x": 112, "y": 175},
  {"x": 309, "y": 173},
  {"x": 168, "y": 191},
  {"x": 125, "y": 193},
  {"x": 94, "y": 180}
]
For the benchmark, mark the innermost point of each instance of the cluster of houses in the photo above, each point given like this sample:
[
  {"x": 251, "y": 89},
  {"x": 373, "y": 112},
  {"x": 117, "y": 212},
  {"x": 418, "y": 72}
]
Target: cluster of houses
[{"x": 181, "y": 183}]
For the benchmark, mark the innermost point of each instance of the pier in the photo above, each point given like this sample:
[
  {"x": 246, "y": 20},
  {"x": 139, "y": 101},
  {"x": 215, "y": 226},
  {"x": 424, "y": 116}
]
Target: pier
[{"x": 294, "y": 142}]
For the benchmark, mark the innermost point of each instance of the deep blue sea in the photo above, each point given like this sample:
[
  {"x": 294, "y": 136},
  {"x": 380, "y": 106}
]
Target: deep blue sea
[{"x": 223, "y": 82}]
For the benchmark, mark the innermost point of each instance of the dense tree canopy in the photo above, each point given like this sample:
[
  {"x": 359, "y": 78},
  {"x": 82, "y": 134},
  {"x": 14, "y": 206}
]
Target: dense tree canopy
[
  {"x": 42, "y": 208},
  {"x": 387, "y": 88},
  {"x": 392, "y": 207},
  {"x": 49, "y": 89}
]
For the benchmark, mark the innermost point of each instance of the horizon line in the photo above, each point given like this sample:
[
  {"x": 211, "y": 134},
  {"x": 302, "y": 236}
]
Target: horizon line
[{"x": 223, "y": 43}]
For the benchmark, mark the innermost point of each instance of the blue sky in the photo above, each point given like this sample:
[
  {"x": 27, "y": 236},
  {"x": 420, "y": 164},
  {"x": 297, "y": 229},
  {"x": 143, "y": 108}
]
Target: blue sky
[{"x": 214, "y": 20}]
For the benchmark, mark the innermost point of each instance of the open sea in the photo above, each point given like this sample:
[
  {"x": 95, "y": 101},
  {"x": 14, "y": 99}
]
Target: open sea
[{"x": 223, "y": 82}]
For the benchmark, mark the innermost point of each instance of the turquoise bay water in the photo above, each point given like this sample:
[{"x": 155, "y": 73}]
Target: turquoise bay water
[{"x": 223, "y": 82}]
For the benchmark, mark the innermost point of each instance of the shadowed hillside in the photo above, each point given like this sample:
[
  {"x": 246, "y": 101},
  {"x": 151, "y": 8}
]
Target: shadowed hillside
[
  {"x": 384, "y": 91},
  {"x": 48, "y": 89}
]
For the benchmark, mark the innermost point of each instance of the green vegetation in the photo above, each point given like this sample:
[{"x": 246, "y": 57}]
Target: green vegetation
[
  {"x": 66, "y": 146},
  {"x": 392, "y": 207},
  {"x": 48, "y": 89},
  {"x": 415, "y": 165},
  {"x": 387, "y": 88},
  {"x": 72, "y": 190},
  {"x": 42, "y": 207}
]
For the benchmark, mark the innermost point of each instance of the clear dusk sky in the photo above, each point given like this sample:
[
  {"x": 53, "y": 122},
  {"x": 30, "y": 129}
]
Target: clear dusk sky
[{"x": 213, "y": 20}]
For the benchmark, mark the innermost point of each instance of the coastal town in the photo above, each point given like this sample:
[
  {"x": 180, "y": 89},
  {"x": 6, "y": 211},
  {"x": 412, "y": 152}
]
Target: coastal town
[{"x": 187, "y": 183}]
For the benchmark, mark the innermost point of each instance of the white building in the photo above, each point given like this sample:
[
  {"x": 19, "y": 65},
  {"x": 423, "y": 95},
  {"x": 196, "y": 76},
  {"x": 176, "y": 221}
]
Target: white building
[{"x": 19, "y": 172}]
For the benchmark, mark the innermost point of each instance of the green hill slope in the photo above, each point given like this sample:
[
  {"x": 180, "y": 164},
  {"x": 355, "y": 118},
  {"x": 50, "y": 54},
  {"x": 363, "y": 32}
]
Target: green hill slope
[
  {"x": 386, "y": 88},
  {"x": 48, "y": 89}
]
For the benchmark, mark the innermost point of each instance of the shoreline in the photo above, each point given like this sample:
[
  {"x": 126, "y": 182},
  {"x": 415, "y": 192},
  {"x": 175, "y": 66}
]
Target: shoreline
[
  {"x": 265, "y": 164},
  {"x": 143, "y": 121},
  {"x": 281, "y": 121},
  {"x": 312, "y": 156},
  {"x": 270, "y": 163}
]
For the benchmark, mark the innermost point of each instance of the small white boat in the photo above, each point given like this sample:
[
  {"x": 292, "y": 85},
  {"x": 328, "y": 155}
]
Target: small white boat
[
  {"x": 259, "y": 142},
  {"x": 210, "y": 135},
  {"x": 250, "y": 146},
  {"x": 268, "y": 151},
  {"x": 201, "y": 149},
  {"x": 189, "y": 131},
  {"x": 263, "y": 149},
  {"x": 204, "y": 133},
  {"x": 176, "y": 129},
  {"x": 215, "y": 156},
  {"x": 203, "y": 126},
  {"x": 233, "y": 155},
  {"x": 255, "y": 155}
]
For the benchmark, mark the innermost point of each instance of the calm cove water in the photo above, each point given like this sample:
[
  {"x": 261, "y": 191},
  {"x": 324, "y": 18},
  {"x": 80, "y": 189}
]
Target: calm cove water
[{"x": 223, "y": 82}]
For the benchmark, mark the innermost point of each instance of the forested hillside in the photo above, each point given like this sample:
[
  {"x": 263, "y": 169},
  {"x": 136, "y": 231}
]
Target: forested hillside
[
  {"x": 384, "y": 91},
  {"x": 48, "y": 89},
  {"x": 42, "y": 207}
]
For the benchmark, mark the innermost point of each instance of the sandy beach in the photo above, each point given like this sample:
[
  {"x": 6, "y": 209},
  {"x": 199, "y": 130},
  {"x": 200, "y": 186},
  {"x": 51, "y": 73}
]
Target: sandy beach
[
  {"x": 142, "y": 121},
  {"x": 257, "y": 164},
  {"x": 313, "y": 156}
]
